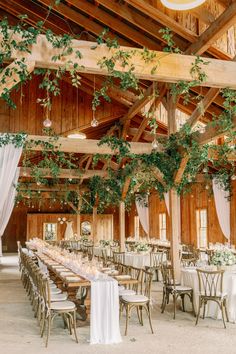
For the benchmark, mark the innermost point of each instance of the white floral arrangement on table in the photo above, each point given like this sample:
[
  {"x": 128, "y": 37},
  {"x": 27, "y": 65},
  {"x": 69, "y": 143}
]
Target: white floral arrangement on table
[
  {"x": 223, "y": 258},
  {"x": 141, "y": 247},
  {"x": 104, "y": 243}
]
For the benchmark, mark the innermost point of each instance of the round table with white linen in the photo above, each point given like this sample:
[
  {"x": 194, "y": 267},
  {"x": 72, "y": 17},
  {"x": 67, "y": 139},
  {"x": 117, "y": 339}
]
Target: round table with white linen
[
  {"x": 137, "y": 260},
  {"x": 189, "y": 277}
]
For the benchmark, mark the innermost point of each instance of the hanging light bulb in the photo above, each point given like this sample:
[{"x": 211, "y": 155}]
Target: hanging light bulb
[
  {"x": 155, "y": 144},
  {"x": 207, "y": 187},
  {"x": 205, "y": 170},
  {"x": 47, "y": 123},
  {"x": 233, "y": 178},
  {"x": 94, "y": 121}
]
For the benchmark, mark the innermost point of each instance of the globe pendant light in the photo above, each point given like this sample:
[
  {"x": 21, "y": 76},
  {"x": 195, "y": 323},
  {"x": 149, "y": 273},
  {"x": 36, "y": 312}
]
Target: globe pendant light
[{"x": 181, "y": 5}]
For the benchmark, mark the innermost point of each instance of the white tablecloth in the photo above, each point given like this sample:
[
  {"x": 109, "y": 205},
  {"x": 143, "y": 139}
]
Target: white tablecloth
[
  {"x": 97, "y": 251},
  {"x": 189, "y": 277},
  {"x": 137, "y": 260}
]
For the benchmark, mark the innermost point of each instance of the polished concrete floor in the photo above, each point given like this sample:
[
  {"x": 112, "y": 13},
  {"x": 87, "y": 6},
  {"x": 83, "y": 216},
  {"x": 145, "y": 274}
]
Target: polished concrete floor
[{"x": 19, "y": 333}]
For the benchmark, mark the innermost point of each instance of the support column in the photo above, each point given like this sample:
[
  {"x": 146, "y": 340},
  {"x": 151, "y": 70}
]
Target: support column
[
  {"x": 122, "y": 226},
  {"x": 95, "y": 224},
  {"x": 78, "y": 218},
  {"x": 175, "y": 216}
]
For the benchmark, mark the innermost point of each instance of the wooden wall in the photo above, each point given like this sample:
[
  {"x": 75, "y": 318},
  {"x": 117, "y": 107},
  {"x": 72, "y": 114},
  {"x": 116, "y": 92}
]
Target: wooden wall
[{"x": 70, "y": 110}]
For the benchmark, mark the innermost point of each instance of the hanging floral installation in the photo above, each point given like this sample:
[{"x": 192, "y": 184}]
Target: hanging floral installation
[{"x": 147, "y": 172}]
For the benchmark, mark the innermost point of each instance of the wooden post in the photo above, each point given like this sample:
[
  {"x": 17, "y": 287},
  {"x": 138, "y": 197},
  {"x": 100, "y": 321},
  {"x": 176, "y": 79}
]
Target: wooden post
[
  {"x": 122, "y": 226},
  {"x": 175, "y": 217},
  {"x": 95, "y": 224},
  {"x": 78, "y": 218}
]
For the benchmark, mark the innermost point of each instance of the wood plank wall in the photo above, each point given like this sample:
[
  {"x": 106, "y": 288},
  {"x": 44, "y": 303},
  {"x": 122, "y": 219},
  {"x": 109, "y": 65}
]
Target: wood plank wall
[{"x": 70, "y": 110}]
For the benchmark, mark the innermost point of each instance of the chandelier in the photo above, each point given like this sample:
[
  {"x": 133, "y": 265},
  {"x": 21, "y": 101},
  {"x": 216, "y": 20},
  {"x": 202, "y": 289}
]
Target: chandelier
[{"x": 182, "y": 4}]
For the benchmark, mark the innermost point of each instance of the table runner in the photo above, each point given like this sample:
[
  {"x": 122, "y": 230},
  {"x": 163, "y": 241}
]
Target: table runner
[{"x": 104, "y": 325}]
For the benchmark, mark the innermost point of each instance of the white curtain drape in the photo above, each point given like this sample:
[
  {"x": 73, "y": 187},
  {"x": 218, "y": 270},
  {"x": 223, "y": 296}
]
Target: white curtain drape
[
  {"x": 143, "y": 212},
  {"x": 9, "y": 159},
  {"x": 167, "y": 201},
  {"x": 222, "y": 208}
]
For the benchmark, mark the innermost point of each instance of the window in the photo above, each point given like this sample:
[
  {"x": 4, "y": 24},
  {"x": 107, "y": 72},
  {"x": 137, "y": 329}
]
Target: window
[
  {"x": 136, "y": 228},
  {"x": 162, "y": 226},
  {"x": 201, "y": 215}
]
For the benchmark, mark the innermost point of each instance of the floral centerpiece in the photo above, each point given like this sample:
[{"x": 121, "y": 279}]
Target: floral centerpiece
[
  {"x": 104, "y": 243},
  {"x": 223, "y": 257},
  {"x": 141, "y": 247}
]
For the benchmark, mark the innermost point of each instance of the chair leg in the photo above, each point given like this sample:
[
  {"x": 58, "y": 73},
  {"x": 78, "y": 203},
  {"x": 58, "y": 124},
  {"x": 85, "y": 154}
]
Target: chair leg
[
  {"x": 182, "y": 298},
  {"x": 204, "y": 310},
  {"x": 127, "y": 319},
  {"x": 164, "y": 300},
  {"x": 199, "y": 310},
  {"x": 149, "y": 317},
  {"x": 74, "y": 326},
  {"x": 223, "y": 315},
  {"x": 174, "y": 300},
  {"x": 48, "y": 329},
  {"x": 226, "y": 310}
]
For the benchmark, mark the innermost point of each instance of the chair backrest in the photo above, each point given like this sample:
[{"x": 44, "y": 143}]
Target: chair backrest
[
  {"x": 119, "y": 257},
  {"x": 210, "y": 282},
  {"x": 146, "y": 283},
  {"x": 90, "y": 252},
  {"x": 156, "y": 259},
  {"x": 168, "y": 277}
]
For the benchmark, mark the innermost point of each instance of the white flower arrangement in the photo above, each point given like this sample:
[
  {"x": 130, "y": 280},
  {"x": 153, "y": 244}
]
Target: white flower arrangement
[
  {"x": 141, "y": 247},
  {"x": 104, "y": 243},
  {"x": 223, "y": 258}
]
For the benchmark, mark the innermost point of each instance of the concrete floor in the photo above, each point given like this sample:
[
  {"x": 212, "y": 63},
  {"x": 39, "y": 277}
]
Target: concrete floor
[{"x": 19, "y": 333}]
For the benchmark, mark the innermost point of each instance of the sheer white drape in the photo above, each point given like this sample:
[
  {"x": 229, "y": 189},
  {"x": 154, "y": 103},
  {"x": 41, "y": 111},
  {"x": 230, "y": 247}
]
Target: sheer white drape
[
  {"x": 9, "y": 158},
  {"x": 167, "y": 201},
  {"x": 143, "y": 212},
  {"x": 222, "y": 208}
]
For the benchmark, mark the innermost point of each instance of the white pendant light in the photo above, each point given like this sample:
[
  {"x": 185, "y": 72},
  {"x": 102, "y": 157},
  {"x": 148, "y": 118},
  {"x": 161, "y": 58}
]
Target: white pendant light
[
  {"x": 78, "y": 135},
  {"x": 182, "y": 4}
]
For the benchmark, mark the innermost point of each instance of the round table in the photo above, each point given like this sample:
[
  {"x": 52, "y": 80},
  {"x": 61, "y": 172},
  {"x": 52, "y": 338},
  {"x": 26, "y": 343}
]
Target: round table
[
  {"x": 189, "y": 277},
  {"x": 138, "y": 260}
]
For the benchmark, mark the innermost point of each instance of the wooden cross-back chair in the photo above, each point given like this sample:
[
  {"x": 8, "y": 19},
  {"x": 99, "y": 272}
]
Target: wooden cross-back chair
[{"x": 211, "y": 289}]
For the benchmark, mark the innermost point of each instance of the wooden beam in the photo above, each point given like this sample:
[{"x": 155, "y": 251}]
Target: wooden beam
[
  {"x": 136, "y": 108},
  {"x": 86, "y": 146},
  {"x": 73, "y": 207},
  {"x": 181, "y": 169},
  {"x": 167, "y": 21},
  {"x": 65, "y": 173},
  {"x": 159, "y": 176},
  {"x": 125, "y": 188},
  {"x": 146, "y": 119},
  {"x": 54, "y": 188},
  {"x": 113, "y": 22},
  {"x": 171, "y": 67},
  {"x": 213, "y": 132},
  {"x": 146, "y": 135},
  {"x": 122, "y": 226},
  {"x": 226, "y": 20},
  {"x": 205, "y": 103},
  {"x": 11, "y": 74}
]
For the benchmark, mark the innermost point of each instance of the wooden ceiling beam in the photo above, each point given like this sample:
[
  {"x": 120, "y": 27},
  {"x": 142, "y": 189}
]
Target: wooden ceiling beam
[
  {"x": 136, "y": 108},
  {"x": 26, "y": 172},
  {"x": 11, "y": 76},
  {"x": 86, "y": 146},
  {"x": 181, "y": 169},
  {"x": 138, "y": 20},
  {"x": 146, "y": 135},
  {"x": 219, "y": 73},
  {"x": 54, "y": 188},
  {"x": 176, "y": 27},
  {"x": 213, "y": 132},
  {"x": 200, "y": 109},
  {"x": 226, "y": 20},
  {"x": 115, "y": 23},
  {"x": 80, "y": 19}
]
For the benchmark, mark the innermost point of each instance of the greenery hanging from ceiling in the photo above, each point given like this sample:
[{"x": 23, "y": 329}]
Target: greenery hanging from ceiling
[{"x": 146, "y": 172}]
